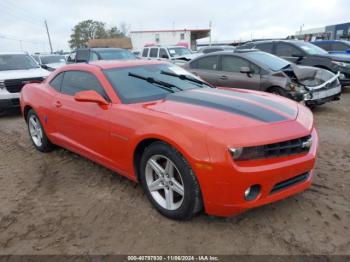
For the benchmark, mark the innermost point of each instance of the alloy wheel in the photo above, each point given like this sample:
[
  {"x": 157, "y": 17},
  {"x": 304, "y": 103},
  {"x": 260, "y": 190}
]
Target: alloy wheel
[
  {"x": 35, "y": 130},
  {"x": 164, "y": 182}
]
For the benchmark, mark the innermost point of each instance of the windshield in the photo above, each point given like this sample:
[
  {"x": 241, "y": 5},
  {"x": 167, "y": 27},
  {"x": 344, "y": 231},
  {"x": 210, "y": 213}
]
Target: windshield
[
  {"x": 17, "y": 62},
  {"x": 134, "y": 90},
  {"x": 50, "y": 59},
  {"x": 116, "y": 55},
  {"x": 267, "y": 60},
  {"x": 178, "y": 51},
  {"x": 311, "y": 49}
]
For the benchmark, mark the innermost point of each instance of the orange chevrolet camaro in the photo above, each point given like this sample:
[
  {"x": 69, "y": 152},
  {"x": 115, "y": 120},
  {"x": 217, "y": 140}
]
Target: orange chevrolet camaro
[{"x": 192, "y": 147}]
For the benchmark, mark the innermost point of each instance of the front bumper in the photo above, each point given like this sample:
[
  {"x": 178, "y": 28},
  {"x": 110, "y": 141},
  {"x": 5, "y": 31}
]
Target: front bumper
[
  {"x": 8, "y": 104},
  {"x": 226, "y": 198},
  {"x": 8, "y": 100}
]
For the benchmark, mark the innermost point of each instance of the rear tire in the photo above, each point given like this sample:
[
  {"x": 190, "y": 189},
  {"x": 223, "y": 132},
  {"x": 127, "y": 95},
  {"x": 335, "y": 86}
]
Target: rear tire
[
  {"x": 169, "y": 182},
  {"x": 37, "y": 133}
]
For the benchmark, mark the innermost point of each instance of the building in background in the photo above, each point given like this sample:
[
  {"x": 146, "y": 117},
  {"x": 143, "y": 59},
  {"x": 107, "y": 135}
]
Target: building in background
[
  {"x": 122, "y": 42},
  {"x": 183, "y": 37},
  {"x": 331, "y": 32}
]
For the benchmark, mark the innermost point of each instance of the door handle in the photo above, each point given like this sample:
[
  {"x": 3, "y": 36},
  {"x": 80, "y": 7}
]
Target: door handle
[
  {"x": 58, "y": 104},
  {"x": 223, "y": 77}
]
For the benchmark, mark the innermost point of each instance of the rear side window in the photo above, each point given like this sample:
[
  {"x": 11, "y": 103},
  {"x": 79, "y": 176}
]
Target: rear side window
[
  {"x": 205, "y": 63},
  {"x": 153, "y": 52},
  {"x": 76, "y": 81},
  {"x": 93, "y": 56},
  {"x": 145, "y": 52},
  {"x": 265, "y": 47},
  {"x": 57, "y": 82},
  {"x": 211, "y": 50},
  {"x": 287, "y": 50}
]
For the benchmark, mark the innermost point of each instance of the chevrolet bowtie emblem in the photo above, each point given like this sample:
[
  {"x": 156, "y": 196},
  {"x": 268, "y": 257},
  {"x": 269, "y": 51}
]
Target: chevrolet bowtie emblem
[{"x": 307, "y": 144}]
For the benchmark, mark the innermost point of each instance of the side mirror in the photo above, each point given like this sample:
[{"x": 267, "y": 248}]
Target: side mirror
[
  {"x": 245, "y": 70},
  {"x": 90, "y": 96},
  {"x": 44, "y": 66},
  {"x": 165, "y": 56}
]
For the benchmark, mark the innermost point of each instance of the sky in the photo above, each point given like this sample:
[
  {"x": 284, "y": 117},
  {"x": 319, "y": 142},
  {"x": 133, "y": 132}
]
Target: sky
[{"x": 22, "y": 21}]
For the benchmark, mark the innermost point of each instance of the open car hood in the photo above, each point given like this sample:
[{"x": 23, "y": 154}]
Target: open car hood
[{"x": 311, "y": 77}]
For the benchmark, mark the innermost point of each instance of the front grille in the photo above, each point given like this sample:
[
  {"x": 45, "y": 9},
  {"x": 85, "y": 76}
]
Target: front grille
[
  {"x": 285, "y": 148},
  {"x": 15, "y": 101},
  {"x": 16, "y": 85},
  {"x": 290, "y": 147},
  {"x": 290, "y": 182}
]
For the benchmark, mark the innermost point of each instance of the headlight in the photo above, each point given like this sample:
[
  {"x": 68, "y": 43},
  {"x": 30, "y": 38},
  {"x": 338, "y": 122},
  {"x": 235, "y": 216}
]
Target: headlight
[
  {"x": 246, "y": 153},
  {"x": 341, "y": 64},
  {"x": 297, "y": 88},
  {"x": 2, "y": 85},
  {"x": 236, "y": 152}
]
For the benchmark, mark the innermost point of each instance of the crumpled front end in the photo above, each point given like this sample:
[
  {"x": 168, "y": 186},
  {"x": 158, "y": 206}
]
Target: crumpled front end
[{"x": 314, "y": 86}]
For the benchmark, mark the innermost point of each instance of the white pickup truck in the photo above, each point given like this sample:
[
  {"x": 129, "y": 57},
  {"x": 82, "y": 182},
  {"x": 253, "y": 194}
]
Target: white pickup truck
[{"x": 16, "y": 70}]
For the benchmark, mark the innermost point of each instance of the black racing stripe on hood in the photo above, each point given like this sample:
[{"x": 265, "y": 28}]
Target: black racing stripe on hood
[
  {"x": 231, "y": 105},
  {"x": 256, "y": 98}
]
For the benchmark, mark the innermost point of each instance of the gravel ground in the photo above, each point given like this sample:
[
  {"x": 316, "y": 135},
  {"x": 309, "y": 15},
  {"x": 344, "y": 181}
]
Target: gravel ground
[{"x": 60, "y": 203}]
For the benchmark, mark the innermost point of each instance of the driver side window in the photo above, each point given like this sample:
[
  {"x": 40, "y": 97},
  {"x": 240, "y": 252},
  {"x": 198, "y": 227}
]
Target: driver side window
[
  {"x": 287, "y": 50},
  {"x": 76, "y": 81}
]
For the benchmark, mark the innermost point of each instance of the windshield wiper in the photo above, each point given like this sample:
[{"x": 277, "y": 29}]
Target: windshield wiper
[
  {"x": 161, "y": 84},
  {"x": 185, "y": 77}
]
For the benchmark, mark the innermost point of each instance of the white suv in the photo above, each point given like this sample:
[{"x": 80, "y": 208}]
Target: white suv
[
  {"x": 16, "y": 70},
  {"x": 168, "y": 53}
]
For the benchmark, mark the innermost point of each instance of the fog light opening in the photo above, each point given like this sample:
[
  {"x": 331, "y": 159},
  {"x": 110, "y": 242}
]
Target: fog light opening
[{"x": 252, "y": 192}]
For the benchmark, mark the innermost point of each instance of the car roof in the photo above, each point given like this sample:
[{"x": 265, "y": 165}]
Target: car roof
[
  {"x": 330, "y": 41},
  {"x": 164, "y": 46},
  {"x": 101, "y": 49},
  {"x": 109, "y": 64},
  {"x": 13, "y": 53}
]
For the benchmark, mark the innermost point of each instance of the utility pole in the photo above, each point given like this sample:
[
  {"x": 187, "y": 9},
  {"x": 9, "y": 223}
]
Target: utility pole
[
  {"x": 48, "y": 36},
  {"x": 209, "y": 33},
  {"x": 301, "y": 29}
]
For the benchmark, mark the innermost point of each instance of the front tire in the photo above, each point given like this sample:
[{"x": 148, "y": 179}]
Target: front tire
[
  {"x": 279, "y": 91},
  {"x": 169, "y": 182},
  {"x": 37, "y": 133}
]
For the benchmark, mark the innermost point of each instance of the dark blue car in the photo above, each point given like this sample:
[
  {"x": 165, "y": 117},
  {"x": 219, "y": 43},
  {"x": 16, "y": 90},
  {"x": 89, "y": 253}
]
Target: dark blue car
[{"x": 334, "y": 46}]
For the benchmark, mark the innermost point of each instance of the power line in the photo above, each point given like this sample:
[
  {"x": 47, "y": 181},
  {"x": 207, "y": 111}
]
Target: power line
[
  {"x": 8, "y": 37},
  {"x": 21, "y": 12},
  {"x": 15, "y": 18}
]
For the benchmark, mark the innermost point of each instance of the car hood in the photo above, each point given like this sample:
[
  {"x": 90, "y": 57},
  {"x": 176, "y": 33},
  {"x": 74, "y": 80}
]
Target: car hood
[
  {"x": 186, "y": 57},
  {"x": 55, "y": 65},
  {"x": 337, "y": 57},
  {"x": 309, "y": 76},
  {"x": 227, "y": 108},
  {"x": 25, "y": 73}
]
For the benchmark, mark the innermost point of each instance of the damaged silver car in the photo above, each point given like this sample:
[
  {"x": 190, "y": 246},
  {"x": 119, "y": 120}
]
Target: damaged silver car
[{"x": 257, "y": 70}]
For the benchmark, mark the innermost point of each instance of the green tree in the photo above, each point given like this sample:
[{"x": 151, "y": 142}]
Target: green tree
[
  {"x": 114, "y": 32},
  {"x": 86, "y": 30}
]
